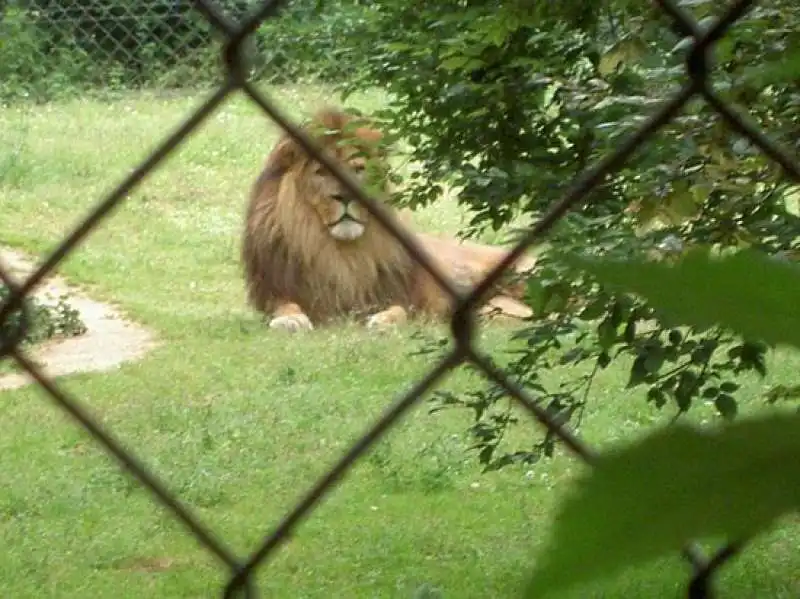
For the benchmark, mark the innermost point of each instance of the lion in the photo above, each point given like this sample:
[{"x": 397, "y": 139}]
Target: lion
[{"x": 312, "y": 254}]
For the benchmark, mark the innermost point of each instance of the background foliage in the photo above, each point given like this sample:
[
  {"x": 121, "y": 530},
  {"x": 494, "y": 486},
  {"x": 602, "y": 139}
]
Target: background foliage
[
  {"x": 509, "y": 103},
  {"x": 52, "y": 48},
  {"x": 47, "y": 321}
]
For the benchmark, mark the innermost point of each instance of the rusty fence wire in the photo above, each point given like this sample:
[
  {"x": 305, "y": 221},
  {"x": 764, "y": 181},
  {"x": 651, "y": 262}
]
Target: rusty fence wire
[
  {"x": 104, "y": 43},
  {"x": 241, "y": 582},
  {"x": 63, "y": 46}
]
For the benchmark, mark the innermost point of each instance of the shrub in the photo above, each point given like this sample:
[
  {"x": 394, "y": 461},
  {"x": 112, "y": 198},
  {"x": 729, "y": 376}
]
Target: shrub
[
  {"x": 510, "y": 103},
  {"x": 30, "y": 66},
  {"x": 313, "y": 40},
  {"x": 46, "y": 321},
  {"x": 60, "y": 47}
]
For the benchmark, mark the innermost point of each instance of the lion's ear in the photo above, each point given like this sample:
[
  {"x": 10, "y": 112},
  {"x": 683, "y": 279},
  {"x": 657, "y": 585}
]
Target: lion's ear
[{"x": 285, "y": 154}]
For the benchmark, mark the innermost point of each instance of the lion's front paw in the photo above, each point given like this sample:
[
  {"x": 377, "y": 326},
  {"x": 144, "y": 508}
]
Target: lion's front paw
[
  {"x": 505, "y": 308},
  {"x": 387, "y": 318},
  {"x": 291, "y": 323}
]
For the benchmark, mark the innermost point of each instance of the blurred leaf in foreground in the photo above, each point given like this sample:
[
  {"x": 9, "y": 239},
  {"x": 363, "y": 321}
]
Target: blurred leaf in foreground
[
  {"x": 749, "y": 292},
  {"x": 648, "y": 499}
]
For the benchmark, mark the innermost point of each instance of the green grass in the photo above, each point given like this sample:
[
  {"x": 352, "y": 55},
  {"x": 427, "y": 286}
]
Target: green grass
[{"x": 240, "y": 420}]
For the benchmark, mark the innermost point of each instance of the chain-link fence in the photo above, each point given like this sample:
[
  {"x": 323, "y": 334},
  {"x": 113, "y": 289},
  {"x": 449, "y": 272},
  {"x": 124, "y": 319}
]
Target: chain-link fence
[
  {"x": 235, "y": 35},
  {"x": 64, "y": 46}
]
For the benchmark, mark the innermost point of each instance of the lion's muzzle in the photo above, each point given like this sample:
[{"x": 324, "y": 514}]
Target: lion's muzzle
[{"x": 347, "y": 223}]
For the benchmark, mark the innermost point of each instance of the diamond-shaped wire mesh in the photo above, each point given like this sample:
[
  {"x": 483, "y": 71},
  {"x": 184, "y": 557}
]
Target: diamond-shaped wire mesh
[{"x": 235, "y": 35}]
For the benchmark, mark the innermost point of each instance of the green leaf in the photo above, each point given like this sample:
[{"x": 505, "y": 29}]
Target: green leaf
[
  {"x": 630, "y": 331},
  {"x": 748, "y": 291},
  {"x": 607, "y": 334},
  {"x": 680, "y": 205},
  {"x": 629, "y": 50},
  {"x": 703, "y": 352},
  {"x": 638, "y": 372},
  {"x": 751, "y": 357},
  {"x": 536, "y": 296},
  {"x": 649, "y": 498},
  {"x": 654, "y": 357},
  {"x": 675, "y": 337},
  {"x": 398, "y": 46},
  {"x": 619, "y": 312},
  {"x": 657, "y": 396},
  {"x": 778, "y": 71},
  {"x": 459, "y": 61},
  {"x": 595, "y": 309},
  {"x": 559, "y": 296},
  {"x": 726, "y": 406},
  {"x": 687, "y": 388}
]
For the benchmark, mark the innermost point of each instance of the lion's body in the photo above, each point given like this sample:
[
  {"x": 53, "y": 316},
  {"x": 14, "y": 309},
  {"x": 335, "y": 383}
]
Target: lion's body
[
  {"x": 311, "y": 256},
  {"x": 288, "y": 257}
]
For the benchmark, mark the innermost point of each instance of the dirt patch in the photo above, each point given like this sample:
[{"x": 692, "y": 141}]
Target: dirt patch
[{"x": 109, "y": 341}]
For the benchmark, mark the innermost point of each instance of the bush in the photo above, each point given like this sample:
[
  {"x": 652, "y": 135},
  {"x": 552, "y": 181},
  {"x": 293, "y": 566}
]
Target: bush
[
  {"x": 313, "y": 40},
  {"x": 46, "y": 321},
  {"x": 60, "y": 47},
  {"x": 510, "y": 103},
  {"x": 30, "y": 67}
]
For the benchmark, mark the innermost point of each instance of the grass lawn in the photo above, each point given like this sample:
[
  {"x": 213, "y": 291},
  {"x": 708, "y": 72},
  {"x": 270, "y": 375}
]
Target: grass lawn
[{"x": 240, "y": 420}]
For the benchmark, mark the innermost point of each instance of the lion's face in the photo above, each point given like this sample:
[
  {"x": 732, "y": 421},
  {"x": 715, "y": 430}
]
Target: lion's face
[
  {"x": 354, "y": 146},
  {"x": 345, "y": 219}
]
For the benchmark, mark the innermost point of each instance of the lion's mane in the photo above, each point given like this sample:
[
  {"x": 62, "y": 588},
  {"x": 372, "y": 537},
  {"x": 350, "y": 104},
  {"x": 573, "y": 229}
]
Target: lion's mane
[{"x": 288, "y": 255}]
